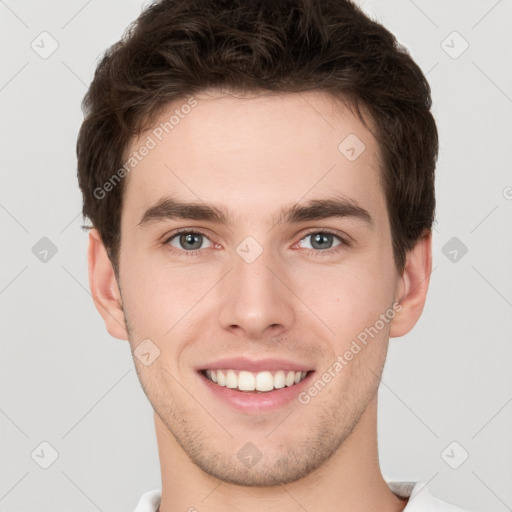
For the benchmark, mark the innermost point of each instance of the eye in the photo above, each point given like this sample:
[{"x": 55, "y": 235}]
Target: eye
[
  {"x": 188, "y": 241},
  {"x": 322, "y": 241}
]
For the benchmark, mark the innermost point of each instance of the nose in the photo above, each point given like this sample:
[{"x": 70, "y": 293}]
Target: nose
[{"x": 255, "y": 298}]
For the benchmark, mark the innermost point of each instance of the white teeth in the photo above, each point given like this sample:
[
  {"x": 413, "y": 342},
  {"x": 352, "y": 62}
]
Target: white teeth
[
  {"x": 221, "y": 378},
  {"x": 264, "y": 381},
  {"x": 246, "y": 381},
  {"x": 260, "y": 381},
  {"x": 231, "y": 380},
  {"x": 279, "y": 379}
]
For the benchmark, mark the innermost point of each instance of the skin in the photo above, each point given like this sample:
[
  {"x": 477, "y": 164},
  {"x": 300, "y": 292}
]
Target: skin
[{"x": 254, "y": 155}]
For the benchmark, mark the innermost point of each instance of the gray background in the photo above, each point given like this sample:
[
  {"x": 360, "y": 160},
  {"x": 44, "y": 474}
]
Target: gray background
[{"x": 66, "y": 382}]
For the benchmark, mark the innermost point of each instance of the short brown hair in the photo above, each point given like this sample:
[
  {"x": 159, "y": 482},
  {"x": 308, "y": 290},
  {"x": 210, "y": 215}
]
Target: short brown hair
[{"x": 177, "y": 48}]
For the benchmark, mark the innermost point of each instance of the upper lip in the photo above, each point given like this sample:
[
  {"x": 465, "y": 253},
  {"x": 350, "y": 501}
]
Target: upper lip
[{"x": 243, "y": 363}]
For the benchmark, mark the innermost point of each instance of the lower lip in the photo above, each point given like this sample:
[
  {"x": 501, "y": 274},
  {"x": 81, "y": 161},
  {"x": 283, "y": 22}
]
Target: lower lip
[{"x": 257, "y": 402}]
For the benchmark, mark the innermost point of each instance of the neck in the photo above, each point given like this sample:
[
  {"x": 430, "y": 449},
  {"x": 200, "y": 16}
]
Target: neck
[{"x": 350, "y": 480}]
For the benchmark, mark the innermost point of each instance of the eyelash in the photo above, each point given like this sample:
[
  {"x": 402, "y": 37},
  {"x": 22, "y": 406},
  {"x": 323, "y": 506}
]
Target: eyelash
[{"x": 311, "y": 252}]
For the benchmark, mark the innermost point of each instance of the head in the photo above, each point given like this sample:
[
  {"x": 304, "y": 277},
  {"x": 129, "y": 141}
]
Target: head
[{"x": 282, "y": 126}]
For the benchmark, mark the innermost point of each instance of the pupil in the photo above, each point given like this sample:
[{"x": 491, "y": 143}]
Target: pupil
[
  {"x": 189, "y": 239},
  {"x": 322, "y": 238}
]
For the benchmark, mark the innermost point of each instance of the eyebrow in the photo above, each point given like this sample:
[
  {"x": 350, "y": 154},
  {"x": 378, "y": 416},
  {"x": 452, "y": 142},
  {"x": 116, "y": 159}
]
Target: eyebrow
[{"x": 169, "y": 208}]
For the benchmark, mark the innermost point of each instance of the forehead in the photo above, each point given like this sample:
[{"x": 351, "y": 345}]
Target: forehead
[{"x": 251, "y": 153}]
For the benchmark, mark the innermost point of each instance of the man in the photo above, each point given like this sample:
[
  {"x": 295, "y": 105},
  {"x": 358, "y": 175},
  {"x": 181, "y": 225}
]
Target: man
[{"x": 260, "y": 181}]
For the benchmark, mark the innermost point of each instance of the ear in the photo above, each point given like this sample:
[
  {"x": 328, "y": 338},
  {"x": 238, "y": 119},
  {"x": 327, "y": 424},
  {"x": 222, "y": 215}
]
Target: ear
[
  {"x": 104, "y": 289},
  {"x": 411, "y": 291}
]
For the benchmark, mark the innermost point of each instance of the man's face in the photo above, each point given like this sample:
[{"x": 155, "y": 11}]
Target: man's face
[{"x": 259, "y": 287}]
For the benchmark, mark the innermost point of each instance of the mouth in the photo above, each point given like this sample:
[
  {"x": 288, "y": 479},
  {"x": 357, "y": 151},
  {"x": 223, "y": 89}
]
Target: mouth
[
  {"x": 264, "y": 381},
  {"x": 255, "y": 386}
]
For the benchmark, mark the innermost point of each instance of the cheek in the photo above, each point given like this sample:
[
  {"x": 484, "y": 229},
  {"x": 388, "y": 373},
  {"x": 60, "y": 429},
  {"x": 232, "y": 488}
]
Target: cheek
[
  {"x": 348, "y": 298},
  {"x": 158, "y": 296}
]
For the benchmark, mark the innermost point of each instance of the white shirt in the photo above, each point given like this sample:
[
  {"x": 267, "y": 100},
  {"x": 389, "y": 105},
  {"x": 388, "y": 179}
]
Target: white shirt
[{"x": 420, "y": 499}]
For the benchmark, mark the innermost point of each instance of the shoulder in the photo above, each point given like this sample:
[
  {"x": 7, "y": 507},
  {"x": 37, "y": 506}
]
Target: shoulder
[
  {"x": 420, "y": 498},
  {"x": 149, "y": 501}
]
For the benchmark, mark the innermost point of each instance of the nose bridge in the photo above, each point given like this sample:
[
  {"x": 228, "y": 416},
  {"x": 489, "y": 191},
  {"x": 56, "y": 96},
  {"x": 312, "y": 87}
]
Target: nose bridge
[{"x": 253, "y": 297}]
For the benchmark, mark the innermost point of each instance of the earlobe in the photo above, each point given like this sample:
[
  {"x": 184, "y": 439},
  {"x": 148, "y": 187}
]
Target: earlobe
[
  {"x": 412, "y": 286},
  {"x": 104, "y": 288}
]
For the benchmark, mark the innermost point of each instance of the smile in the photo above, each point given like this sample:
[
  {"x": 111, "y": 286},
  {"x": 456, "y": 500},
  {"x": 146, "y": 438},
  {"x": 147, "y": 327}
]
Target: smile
[{"x": 259, "y": 382}]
